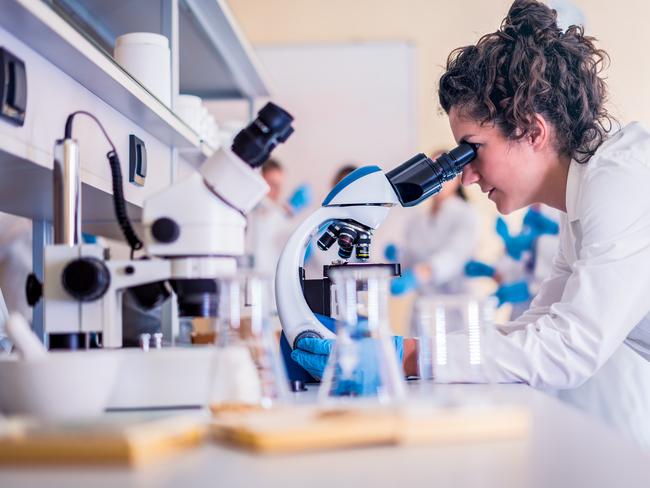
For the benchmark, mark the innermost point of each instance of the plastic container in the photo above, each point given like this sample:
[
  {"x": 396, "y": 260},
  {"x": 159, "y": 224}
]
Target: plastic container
[
  {"x": 146, "y": 56},
  {"x": 188, "y": 108}
]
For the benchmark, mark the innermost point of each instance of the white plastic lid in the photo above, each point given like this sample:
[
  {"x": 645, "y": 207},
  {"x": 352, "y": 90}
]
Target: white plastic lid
[
  {"x": 142, "y": 38},
  {"x": 189, "y": 101}
]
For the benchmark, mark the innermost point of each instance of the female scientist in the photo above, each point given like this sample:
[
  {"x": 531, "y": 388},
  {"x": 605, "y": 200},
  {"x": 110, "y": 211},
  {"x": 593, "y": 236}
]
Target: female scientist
[{"x": 531, "y": 97}]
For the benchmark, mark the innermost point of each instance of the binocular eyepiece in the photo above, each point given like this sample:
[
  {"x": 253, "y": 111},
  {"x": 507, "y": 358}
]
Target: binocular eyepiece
[
  {"x": 254, "y": 143},
  {"x": 419, "y": 178}
]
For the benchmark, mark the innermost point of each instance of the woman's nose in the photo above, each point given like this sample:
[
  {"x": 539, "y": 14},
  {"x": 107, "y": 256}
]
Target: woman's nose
[{"x": 470, "y": 175}]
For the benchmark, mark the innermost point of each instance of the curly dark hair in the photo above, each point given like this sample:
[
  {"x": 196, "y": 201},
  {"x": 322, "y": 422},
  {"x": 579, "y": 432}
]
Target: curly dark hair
[{"x": 531, "y": 66}]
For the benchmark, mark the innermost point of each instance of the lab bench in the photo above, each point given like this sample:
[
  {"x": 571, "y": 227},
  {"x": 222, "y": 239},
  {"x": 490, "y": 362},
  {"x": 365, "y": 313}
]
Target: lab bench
[{"x": 563, "y": 448}]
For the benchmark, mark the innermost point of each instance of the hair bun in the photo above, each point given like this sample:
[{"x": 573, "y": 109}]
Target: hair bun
[{"x": 531, "y": 18}]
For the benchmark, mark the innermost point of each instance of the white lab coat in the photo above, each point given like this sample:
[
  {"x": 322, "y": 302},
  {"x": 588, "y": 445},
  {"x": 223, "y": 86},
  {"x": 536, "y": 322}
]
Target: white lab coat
[
  {"x": 445, "y": 241},
  {"x": 15, "y": 261},
  {"x": 268, "y": 230},
  {"x": 594, "y": 307},
  {"x": 15, "y": 265}
]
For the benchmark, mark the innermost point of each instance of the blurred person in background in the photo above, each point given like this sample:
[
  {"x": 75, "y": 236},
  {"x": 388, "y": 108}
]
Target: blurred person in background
[
  {"x": 15, "y": 265},
  {"x": 527, "y": 258},
  {"x": 271, "y": 222},
  {"x": 15, "y": 261},
  {"x": 437, "y": 244}
]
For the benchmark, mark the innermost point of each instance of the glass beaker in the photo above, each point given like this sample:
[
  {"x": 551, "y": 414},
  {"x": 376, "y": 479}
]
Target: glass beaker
[
  {"x": 363, "y": 361},
  {"x": 454, "y": 332},
  {"x": 248, "y": 370}
]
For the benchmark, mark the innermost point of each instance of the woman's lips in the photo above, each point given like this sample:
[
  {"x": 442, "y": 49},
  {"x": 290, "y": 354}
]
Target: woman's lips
[{"x": 490, "y": 192}]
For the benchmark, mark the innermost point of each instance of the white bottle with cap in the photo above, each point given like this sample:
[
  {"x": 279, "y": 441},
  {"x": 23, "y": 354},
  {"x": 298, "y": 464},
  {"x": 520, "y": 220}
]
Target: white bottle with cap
[{"x": 147, "y": 58}]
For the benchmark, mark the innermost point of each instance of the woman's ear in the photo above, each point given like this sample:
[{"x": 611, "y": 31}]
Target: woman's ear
[{"x": 540, "y": 134}]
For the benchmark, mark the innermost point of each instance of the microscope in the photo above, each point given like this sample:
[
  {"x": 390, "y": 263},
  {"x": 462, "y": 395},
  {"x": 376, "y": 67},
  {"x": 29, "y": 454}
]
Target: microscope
[
  {"x": 350, "y": 213},
  {"x": 194, "y": 230}
]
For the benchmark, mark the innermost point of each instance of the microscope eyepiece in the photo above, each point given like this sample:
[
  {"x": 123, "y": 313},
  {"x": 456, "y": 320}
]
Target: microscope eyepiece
[
  {"x": 254, "y": 143},
  {"x": 419, "y": 178}
]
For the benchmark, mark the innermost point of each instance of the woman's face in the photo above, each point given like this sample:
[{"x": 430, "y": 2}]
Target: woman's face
[{"x": 510, "y": 172}]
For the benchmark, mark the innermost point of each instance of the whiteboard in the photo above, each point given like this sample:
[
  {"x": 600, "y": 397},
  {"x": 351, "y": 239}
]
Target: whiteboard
[{"x": 352, "y": 102}]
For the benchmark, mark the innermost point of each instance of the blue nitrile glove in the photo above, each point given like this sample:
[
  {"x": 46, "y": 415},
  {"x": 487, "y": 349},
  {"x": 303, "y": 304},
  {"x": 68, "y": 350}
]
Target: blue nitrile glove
[
  {"x": 300, "y": 198},
  {"x": 515, "y": 245},
  {"x": 502, "y": 229},
  {"x": 391, "y": 252},
  {"x": 515, "y": 292},
  {"x": 540, "y": 223},
  {"x": 312, "y": 354},
  {"x": 405, "y": 283},
  {"x": 478, "y": 268},
  {"x": 88, "y": 238}
]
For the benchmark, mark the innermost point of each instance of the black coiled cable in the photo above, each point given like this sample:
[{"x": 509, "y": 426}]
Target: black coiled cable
[{"x": 119, "y": 204}]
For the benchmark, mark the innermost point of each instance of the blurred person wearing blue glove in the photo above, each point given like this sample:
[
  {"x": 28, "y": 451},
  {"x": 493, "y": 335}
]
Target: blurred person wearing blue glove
[
  {"x": 540, "y": 223},
  {"x": 517, "y": 272},
  {"x": 516, "y": 292},
  {"x": 478, "y": 268},
  {"x": 410, "y": 280},
  {"x": 515, "y": 246},
  {"x": 437, "y": 244},
  {"x": 271, "y": 222},
  {"x": 300, "y": 199},
  {"x": 391, "y": 252}
]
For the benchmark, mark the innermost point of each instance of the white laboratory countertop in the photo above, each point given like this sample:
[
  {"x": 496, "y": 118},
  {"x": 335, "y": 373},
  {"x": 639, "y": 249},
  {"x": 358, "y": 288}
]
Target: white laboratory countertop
[{"x": 565, "y": 448}]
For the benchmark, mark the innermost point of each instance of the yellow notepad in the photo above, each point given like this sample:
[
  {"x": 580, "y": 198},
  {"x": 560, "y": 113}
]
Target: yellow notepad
[
  {"x": 109, "y": 440},
  {"x": 294, "y": 429}
]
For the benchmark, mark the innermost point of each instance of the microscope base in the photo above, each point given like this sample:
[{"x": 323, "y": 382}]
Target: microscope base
[{"x": 174, "y": 377}]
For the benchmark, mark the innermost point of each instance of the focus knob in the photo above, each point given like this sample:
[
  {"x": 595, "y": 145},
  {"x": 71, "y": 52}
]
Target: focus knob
[
  {"x": 165, "y": 230},
  {"x": 86, "y": 279}
]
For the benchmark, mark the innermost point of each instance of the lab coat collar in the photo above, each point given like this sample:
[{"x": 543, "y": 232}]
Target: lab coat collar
[{"x": 574, "y": 180}]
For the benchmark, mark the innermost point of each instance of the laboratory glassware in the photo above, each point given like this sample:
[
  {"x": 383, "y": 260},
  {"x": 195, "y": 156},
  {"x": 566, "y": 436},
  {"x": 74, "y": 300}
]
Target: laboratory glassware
[
  {"x": 455, "y": 334},
  {"x": 247, "y": 369},
  {"x": 363, "y": 362}
]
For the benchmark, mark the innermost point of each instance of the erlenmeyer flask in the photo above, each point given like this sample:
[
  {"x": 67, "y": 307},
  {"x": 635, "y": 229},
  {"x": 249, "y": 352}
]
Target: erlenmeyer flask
[
  {"x": 247, "y": 369},
  {"x": 363, "y": 361},
  {"x": 454, "y": 332}
]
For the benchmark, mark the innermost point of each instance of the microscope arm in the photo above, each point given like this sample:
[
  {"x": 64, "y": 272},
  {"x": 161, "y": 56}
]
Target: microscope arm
[{"x": 297, "y": 318}]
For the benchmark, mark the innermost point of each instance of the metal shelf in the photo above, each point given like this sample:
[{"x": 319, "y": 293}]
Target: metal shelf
[
  {"x": 39, "y": 27},
  {"x": 216, "y": 61},
  {"x": 211, "y": 42}
]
